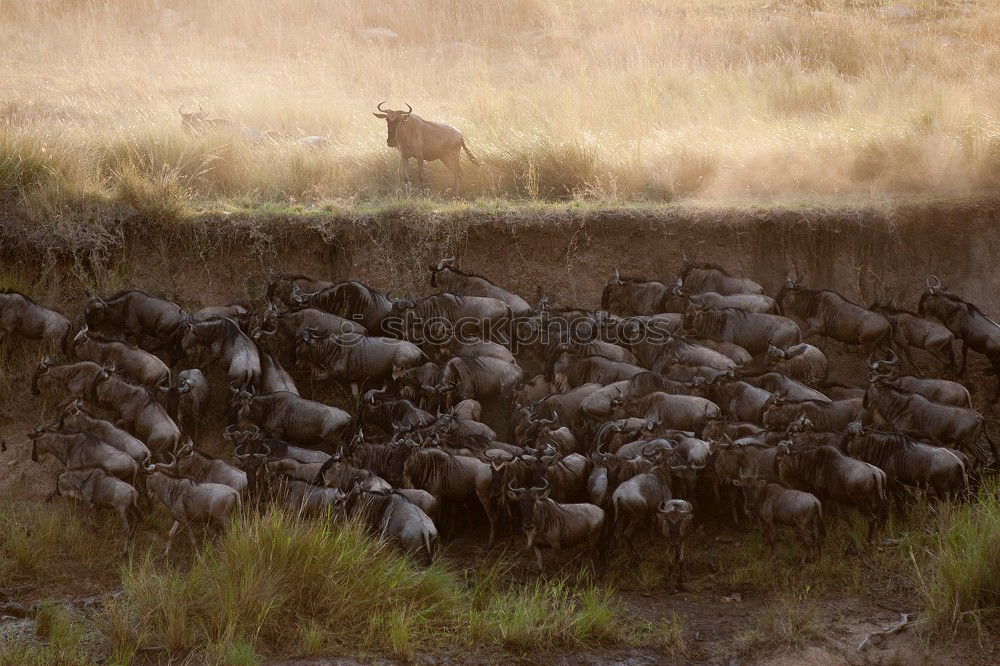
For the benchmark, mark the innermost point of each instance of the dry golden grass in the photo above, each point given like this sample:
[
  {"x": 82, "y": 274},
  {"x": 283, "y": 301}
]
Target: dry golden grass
[{"x": 631, "y": 99}]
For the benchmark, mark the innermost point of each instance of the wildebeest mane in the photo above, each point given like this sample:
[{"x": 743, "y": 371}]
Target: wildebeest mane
[
  {"x": 704, "y": 266},
  {"x": 653, "y": 382},
  {"x": 14, "y": 292},
  {"x": 886, "y": 448}
]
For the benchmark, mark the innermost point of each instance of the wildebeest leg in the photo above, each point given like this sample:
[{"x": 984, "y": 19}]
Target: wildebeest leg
[
  {"x": 170, "y": 536},
  {"x": 355, "y": 390},
  {"x": 538, "y": 559},
  {"x": 404, "y": 168},
  {"x": 420, "y": 173},
  {"x": 996, "y": 396},
  {"x": 191, "y": 537},
  {"x": 455, "y": 166}
]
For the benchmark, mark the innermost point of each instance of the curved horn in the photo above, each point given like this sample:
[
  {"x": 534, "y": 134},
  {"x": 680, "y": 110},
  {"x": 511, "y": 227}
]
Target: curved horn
[
  {"x": 893, "y": 359},
  {"x": 510, "y": 487},
  {"x": 409, "y": 109},
  {"x": 932, "y": 283},
  {"x": 541, "y": 488},
  {"x": 379, "y": 107}
]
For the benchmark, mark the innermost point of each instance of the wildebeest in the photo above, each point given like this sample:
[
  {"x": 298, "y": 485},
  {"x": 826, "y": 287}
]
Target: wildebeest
[
  {"x": 286, "y": 416},
  {"x": 153, "y": 322},
  {"x": 972, "y": 328},
  {"x": 750, "y": 330},
  {"x": 138, "y": 412},
  {"x": 197, "y": 467},
  {"x": 75, "y": 419},
  {"x": 935, "y": 390},
  {"x": 453, "y": 479},
  {"x": 710, "y": 300},
  {"x": 353, "y": 301},
  {"x": 918, "y": 417},
  {"x": 906, "y": 461},
  {"x": 626, "y": 296},
  {"x": 195, "y": 122},
  {"x": 825, "y": 416},
  {"x": 702, "y": 277},
  {"x": 223, "y": 341},
  {"x": 190, "y": 502},
  {"x": 828, "y": 313},
  {"x": 775, "y": 505},
  {"x": 424, "y": 140},
  {"x": 281, "y": 285},
  {"x": 788, "y": 388},
  {"x": 636, "y": 500},
  {"x": 568, "y": 371},
  {"x": 72, "y": 378},
  {"x": 557, "y": 526},
  {"x": 187, "y": 399},
  {"x": 356, "y": 358},
  {"x": 482, "y": 379},
  {"x": 830, "y": 475},
  {"x": 479, "y": 316},
  {"x": 82, "y": 450},
  {"x": 95, "y": 488},
  {"x": 446, "y": 276},
  {"x": 911, "y": 330},
  {"x": 137, "y": 365},
  {"x": 392, "y": 516},
  {"x": 674, "y": 518},
  {"x": 19, "y": 315},
  {"x": 273, "y": 377},
  {"x": 681, "y": 412},
  {"x": 801, "y": 362}
]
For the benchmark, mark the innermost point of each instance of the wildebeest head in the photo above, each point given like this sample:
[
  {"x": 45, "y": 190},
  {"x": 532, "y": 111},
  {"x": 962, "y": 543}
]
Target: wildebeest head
[
  {"x": 393, "y": 120},
  {"x": 95, "y": 312},
  {"x": 193, "y": 121},
  {"x": 41, "y": 369},
  {"x": 673, "y": 517},
  {"x": 441, "y": 264},
  {"x": 753, "y": 488},
  {"x": 526, "y": 499}
]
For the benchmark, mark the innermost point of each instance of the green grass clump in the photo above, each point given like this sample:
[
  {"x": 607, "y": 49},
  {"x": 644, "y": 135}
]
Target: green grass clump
[
  {"x": 960, "y": 583},
  {"x": 274, "y": 580}
]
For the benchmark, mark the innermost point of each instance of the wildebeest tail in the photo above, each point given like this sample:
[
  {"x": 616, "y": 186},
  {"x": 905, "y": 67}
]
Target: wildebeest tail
[{"x": 469, "y": 153}]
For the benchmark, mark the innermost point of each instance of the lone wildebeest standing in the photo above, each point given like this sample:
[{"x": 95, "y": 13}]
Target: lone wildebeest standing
[{"x": 423, "y": 140}]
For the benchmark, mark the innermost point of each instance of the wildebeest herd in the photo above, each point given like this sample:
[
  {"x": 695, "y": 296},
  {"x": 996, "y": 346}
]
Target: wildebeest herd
[{"x": 674, "y": 404}]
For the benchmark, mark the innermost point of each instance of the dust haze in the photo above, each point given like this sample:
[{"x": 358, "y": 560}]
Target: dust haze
[{"x": 648, "y": 100}]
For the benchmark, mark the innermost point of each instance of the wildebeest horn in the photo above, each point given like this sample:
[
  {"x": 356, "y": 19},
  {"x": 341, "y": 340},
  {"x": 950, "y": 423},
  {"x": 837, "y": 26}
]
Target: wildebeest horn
[
  {"x": 238, "y": 455},
  {"x": 541, "y": 488},
  {"x": 893, "y": 359},
  {"x": 229, "y": 432},
  {"x": 409, "y": 109},
  {"x": 932, "y": 283},
  {"x": 379, "y": 107},
  {"x": 873, "y": 364},
  {"x": 163, "y": 385}
]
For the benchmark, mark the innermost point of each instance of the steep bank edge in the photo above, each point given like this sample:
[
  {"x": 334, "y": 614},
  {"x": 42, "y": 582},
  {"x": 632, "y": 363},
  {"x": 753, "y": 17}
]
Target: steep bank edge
[{"x": 863, "y": 252}]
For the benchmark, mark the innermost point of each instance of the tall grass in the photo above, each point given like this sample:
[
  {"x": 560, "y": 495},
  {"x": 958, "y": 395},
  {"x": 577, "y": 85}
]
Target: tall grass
[
  {"x": 559, "y": 99},
  {"x": 275, "y": 584},
  {"x": 960, "y": 583}
]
